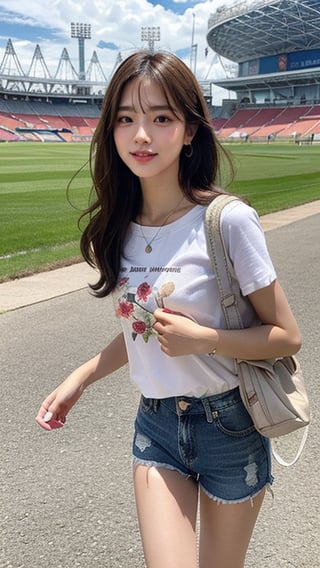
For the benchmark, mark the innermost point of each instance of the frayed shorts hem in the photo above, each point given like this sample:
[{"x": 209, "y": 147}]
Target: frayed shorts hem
[
  {"x": 250, "y": 498},
  {"x": 219, "y": 500},
  {"x": 146, "y": 463}
]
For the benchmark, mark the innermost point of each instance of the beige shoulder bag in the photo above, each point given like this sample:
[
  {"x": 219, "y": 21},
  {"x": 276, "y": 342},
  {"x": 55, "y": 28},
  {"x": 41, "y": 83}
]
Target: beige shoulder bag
[{"x": 273, "y": 391}]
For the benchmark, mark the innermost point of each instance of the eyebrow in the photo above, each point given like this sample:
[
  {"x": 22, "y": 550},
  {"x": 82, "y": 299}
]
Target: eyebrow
[{"x": 152, "y": 108}]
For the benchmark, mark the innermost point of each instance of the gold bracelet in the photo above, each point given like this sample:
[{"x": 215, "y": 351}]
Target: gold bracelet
[{"x": 212, "y": 353}]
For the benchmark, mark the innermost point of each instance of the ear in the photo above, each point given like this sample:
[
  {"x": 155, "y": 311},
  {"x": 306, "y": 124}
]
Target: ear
[{"x": 191, "y": 130}]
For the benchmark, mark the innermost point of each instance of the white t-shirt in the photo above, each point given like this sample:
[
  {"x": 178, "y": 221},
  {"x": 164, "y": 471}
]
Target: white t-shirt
[{"x": 177, "y": 275}]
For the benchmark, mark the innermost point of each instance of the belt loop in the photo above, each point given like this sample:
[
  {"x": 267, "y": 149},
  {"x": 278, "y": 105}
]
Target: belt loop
[
  {"x": 207, "y": 409},
  {"x": 155, "y": 404}
]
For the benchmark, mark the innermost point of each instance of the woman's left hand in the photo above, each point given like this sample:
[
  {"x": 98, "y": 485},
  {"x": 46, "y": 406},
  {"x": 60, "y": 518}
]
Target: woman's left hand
[{"x": 178, "y": 334}]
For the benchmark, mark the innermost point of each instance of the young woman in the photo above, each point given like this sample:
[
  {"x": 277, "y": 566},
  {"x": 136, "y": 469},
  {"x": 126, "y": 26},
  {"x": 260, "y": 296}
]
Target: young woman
[{"x": 155, "y": 164}]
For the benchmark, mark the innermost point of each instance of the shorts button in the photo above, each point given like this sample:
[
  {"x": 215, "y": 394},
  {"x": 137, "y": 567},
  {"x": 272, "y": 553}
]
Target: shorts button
[{"x": 183, "y": 405}]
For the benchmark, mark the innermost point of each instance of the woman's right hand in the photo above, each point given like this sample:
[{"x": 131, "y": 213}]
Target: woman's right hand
[{"x": 54, "y": 409}]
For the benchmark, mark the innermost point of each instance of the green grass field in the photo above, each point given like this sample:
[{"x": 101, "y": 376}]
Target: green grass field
[{"x": 38, "y": 225}]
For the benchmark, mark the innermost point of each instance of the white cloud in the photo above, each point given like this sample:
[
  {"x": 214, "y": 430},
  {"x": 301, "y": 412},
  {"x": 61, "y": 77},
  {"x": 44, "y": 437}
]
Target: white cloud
[{"x": 113, "y": 21}]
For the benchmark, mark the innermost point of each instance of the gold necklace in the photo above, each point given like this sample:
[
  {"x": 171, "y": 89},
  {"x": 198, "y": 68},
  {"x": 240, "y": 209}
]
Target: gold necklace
[{"x": 148, "y": 248}]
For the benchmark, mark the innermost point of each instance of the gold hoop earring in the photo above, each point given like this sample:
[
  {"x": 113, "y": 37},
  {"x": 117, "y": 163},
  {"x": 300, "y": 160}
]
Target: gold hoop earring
[{"x": 188, "y": 151}]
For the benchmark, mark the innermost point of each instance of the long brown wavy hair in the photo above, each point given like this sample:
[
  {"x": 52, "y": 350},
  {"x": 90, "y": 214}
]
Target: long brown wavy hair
[{"x": 116, "y": 190}]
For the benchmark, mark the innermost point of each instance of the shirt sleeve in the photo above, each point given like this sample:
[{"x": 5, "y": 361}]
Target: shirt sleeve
[{"x": 246, "y": 245}]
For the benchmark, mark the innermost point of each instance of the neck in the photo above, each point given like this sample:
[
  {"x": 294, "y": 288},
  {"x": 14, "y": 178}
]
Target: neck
[
  {"x": 158, "y": 201},
  {"x": 161, "y": 212}
]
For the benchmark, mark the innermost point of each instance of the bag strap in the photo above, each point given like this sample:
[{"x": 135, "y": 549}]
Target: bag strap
[
  {"x": 280, "y": 460},
  {"x": 221, "y": 263},
  {"x": 223, "y": 269}
]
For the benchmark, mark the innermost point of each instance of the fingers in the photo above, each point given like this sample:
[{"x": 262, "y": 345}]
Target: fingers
[
  {"x": 57, "y": 405},
  {"x": 161, "y": 329},
  {"x": 160, "y": 314},
  {"x": 177, "y": 332},
  {"x": 48, "y": 419},
  {"x": 49, "y": 423},
  {"x": 163, "y": 318}
]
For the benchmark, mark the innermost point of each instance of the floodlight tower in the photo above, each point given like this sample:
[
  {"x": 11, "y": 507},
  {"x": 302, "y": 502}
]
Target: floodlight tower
[
  {"x": 150, "y": 35},
  {"x": 194, "y": 49},
  {"x": 82, "y": 32}
]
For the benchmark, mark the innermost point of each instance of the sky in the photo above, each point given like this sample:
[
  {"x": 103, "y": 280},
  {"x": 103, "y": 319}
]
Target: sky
[{"x": 115, "y": 28}]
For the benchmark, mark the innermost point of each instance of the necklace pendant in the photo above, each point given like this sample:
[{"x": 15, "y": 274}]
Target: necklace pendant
[{"x": 148, "y": 249}]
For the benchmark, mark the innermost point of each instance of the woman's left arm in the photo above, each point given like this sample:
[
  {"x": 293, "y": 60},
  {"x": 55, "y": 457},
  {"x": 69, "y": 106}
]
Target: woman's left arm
[{"x": 278, "y": 335}]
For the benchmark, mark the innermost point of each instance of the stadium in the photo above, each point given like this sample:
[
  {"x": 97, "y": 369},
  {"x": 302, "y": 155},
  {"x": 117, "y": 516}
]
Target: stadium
[
  {"x": 279, "y": 108},
  {"x": 274, "y": 44}
]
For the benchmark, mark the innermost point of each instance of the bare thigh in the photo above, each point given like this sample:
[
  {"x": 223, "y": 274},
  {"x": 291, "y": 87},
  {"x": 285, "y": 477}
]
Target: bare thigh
[
  {"x": 225, "y": 531},
  {"x": 167, "y": 509}
]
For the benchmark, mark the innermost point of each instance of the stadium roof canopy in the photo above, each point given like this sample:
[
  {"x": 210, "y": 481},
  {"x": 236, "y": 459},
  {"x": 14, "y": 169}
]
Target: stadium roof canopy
[
  {"x": 272, "y": 80},
  {"x": 251, "y": 29}
]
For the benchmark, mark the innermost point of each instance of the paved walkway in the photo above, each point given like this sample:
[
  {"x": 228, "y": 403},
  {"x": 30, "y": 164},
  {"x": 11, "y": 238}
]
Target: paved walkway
[{"x": 46, "y": 285}]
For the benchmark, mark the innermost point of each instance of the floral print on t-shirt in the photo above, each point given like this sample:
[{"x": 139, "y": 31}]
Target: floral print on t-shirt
[{"x": 138, "y": 304}]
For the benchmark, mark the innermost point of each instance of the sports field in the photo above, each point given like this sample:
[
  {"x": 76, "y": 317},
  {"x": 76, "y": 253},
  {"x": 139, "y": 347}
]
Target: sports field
[{"x": 38, "y": 224}]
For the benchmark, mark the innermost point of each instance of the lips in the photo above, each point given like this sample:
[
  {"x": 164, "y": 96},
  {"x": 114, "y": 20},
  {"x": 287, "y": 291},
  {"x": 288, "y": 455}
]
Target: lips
[
  {"x": 143, "y": 154},
  {"x": 143, "y": 157}
]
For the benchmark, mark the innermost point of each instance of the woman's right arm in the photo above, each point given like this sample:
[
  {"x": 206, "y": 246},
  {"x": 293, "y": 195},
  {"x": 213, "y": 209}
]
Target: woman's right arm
[{"x": 62, "y": 399}]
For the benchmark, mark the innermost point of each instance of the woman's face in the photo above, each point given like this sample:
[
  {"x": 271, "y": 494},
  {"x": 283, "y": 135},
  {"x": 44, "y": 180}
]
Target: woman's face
[{"x": 147, "y": 134}]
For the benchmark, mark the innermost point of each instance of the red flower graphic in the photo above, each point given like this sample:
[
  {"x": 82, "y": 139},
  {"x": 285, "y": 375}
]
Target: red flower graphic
[
  {"x": 139, "y": 327},
  {"x": 124, "y": 310},
  {"x": 143, "y": 291},
  {"x": 122, "y": 281}
]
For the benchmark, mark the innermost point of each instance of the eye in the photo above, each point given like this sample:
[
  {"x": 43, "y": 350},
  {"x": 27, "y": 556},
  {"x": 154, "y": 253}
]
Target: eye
[
  {"x": 124, "y": 119},
  {"x": 162, "y": 119}
]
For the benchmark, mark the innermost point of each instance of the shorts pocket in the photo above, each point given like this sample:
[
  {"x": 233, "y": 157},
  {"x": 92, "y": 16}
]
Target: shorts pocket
[{"x": 235, "y": 421}]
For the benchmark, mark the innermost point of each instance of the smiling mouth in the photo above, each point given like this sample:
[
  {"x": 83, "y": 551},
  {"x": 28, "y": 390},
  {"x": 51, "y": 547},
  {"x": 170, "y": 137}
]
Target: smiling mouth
[{"x": 143, "y": 154}]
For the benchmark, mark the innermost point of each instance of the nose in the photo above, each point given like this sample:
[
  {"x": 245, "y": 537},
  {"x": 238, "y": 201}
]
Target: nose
[{"x": 141, "y": 135}]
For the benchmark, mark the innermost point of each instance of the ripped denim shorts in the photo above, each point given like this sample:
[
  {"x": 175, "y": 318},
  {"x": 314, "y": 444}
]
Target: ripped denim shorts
[{"x": 211, "y": 440}]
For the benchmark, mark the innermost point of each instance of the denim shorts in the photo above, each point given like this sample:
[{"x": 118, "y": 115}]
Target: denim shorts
[{"x": 211, "y": 440}]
